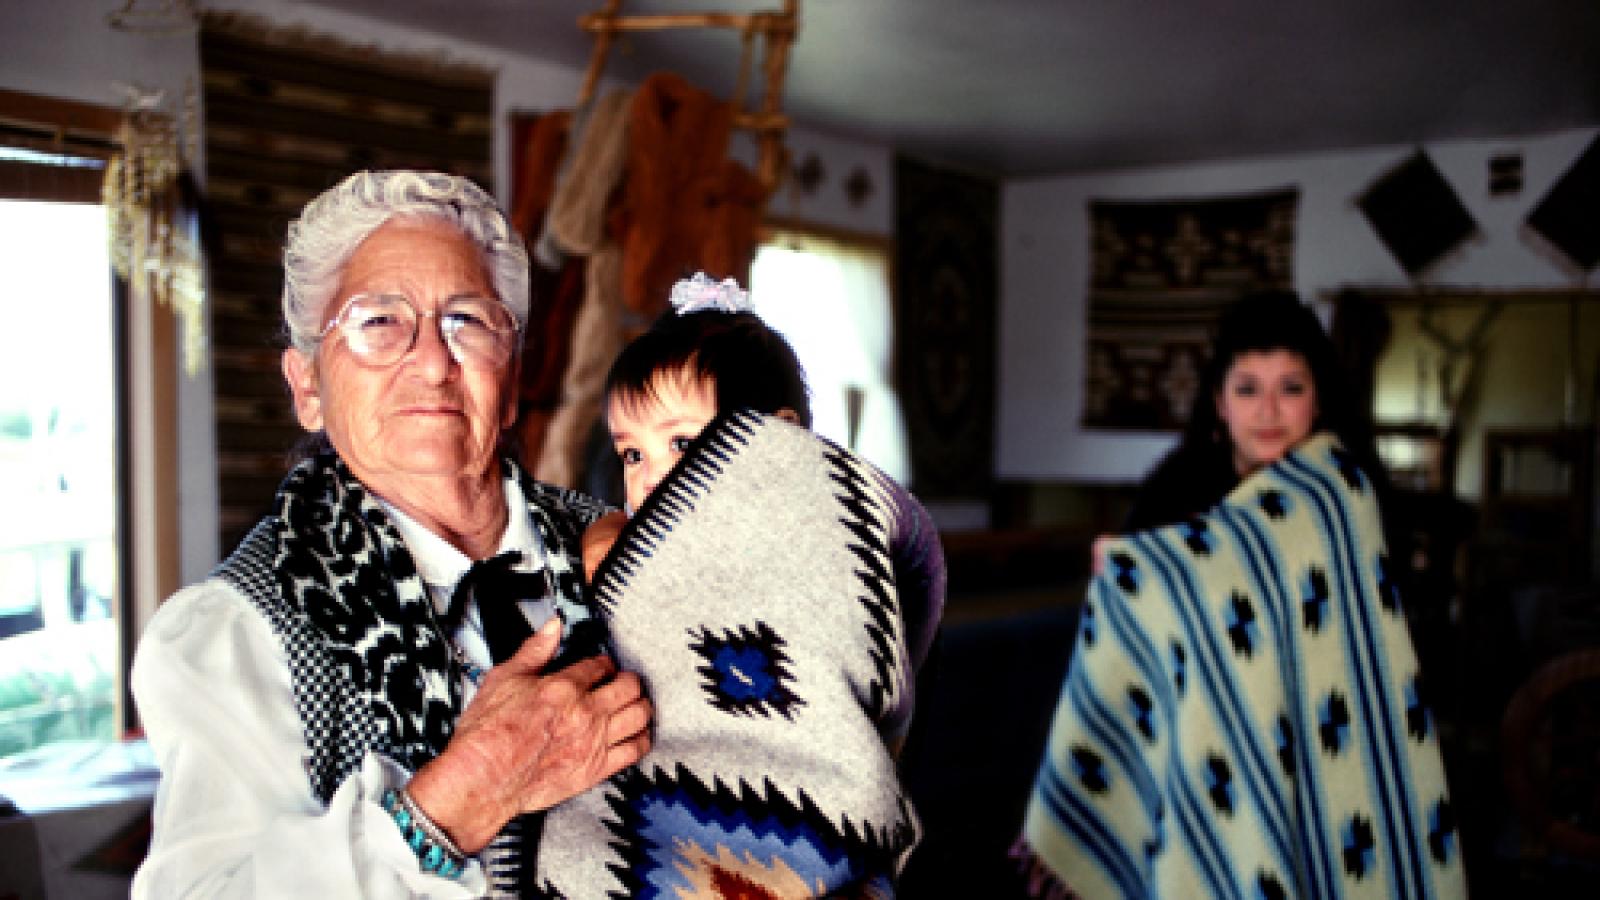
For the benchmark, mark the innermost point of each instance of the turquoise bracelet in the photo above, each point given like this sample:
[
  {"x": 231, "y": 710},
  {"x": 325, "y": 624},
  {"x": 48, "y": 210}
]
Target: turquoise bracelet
[{"x": 434, "y": 849}]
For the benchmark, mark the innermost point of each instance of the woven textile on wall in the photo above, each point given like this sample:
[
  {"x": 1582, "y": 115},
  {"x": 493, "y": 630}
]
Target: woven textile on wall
[
  {"x": 1244, "y": 715},
  {"x": 1162, "y": 271},
  {"x": 945, "y": 285},
  {"x": 288, "y": 114}
]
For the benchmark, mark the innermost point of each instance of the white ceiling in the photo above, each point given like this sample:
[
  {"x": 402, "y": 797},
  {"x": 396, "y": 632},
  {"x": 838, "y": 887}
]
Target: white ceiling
[{"x": 1031, "y": 87}]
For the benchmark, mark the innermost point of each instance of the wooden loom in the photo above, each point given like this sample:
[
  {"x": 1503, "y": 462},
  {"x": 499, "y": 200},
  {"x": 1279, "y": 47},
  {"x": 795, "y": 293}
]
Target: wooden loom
[{"x": 777, "y": 30}]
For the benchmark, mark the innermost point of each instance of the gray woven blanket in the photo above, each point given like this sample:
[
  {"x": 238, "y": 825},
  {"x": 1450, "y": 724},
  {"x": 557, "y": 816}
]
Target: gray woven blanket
[{"x": 756, "y": 593}]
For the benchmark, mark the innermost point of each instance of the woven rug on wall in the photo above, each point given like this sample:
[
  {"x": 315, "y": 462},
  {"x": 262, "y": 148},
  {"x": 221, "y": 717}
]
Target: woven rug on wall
[
  {"x": 287, "y": 114},
  {"x": 1162, "y": 271},
  {"x": 946, "y": 227}
]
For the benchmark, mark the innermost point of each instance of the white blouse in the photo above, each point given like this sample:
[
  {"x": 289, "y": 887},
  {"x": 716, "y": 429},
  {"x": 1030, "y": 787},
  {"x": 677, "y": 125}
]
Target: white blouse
[{"x": 234, "y": 813}]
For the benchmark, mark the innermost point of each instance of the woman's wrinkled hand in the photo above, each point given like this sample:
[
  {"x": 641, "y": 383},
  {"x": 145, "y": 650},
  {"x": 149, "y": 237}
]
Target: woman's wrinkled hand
[{"x": 528, "y": 741}]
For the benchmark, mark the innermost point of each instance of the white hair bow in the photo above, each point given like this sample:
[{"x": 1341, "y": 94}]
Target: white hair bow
[{"x": 700, "y": 292}]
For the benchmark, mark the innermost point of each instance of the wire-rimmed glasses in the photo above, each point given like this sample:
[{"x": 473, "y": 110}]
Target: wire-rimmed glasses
[{"x": 382, "y": 328}]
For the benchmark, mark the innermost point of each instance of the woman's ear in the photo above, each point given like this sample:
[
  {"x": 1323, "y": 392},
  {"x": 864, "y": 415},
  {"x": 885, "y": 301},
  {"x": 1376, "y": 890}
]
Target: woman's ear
[
  {"x": 300, "y": 371},
  {"x": 788, "y": 415}
]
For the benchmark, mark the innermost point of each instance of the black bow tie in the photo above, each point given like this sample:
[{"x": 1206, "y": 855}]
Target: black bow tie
[{"x": 499, "y": 589}]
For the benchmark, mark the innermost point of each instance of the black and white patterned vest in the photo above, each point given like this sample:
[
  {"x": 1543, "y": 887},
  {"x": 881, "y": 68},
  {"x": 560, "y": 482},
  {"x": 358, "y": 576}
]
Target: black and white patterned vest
[
  {"x": 369, "y": 666},
  {"x": 759, "y": 594}
]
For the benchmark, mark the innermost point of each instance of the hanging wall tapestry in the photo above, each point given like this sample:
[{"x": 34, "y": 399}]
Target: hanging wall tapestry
[
  {"x": 1162, "y": 271},
  {"x": 288, "y": 114},
  {"x": 945, "y": 286}
]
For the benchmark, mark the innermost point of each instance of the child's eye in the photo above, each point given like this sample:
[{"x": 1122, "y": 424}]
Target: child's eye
[
  {"x": 680, "y": 443},
  {"x": 630, "y": 456}
]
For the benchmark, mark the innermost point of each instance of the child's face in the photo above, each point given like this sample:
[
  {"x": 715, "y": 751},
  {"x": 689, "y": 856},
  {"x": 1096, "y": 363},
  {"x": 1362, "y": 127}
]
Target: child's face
[{"x": 650, "y": 433}]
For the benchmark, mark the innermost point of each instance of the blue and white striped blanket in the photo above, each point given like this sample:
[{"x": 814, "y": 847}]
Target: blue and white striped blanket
[{"x": 1243, "y": 716}]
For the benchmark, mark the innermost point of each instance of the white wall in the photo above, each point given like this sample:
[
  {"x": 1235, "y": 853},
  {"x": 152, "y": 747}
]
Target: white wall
[
  {"x": 1045, "y": 273},
  {"x": 829, "y": 204},
  {"x": 64, "y": 48}
]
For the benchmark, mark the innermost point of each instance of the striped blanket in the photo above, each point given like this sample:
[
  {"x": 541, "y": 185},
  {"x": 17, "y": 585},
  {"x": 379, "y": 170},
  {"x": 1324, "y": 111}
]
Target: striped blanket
[{"x": 1243, "y": 715}]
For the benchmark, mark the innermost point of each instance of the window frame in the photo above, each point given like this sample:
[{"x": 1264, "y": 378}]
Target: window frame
[{"x": 145, "y": 339}]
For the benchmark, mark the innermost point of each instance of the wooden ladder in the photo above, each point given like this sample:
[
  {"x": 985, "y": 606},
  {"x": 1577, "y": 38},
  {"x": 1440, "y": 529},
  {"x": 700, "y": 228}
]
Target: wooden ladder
[{"x": 777, "y": 29}]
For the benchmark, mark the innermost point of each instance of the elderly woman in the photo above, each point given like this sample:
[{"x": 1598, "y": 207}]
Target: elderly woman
[{"x": 352, "y": 704}]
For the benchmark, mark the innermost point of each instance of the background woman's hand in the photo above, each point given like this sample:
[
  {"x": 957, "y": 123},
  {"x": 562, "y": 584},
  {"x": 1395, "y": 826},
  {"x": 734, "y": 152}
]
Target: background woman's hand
[
  {"x": 528, "y": 741},
  {"x": 1097, "y": 553}
]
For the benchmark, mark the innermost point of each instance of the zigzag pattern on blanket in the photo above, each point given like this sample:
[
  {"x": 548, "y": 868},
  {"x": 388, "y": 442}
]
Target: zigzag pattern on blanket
[
  {"x": 1243, "y": 715},
  {"x": 701, "y": 465},
  {"x": 754, "y": 593}
]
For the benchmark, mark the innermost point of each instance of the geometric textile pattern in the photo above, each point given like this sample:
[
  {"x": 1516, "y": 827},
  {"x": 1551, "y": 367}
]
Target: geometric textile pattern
[
  {"x": 370, "y": 670},
  {"x": 288, "y": 113},
  {"x": 1569, "y": 215},
  {"x": 946, "y": 275},
  {"x": 1416, "y": 213},
  {"x": 1161, "y": 273},
  {"x": 744, "y": 671},
  {"x": 1292, "y": 764},
  {"x": 679, "y": 837},
  {"x": 763, "y": 595}
]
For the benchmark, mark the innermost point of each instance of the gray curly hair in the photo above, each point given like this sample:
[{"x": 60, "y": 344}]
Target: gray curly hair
[{"x": 333, "y": 225}]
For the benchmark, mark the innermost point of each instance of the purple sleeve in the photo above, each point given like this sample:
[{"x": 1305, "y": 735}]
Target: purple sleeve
[{"x": 919, "y": 570}]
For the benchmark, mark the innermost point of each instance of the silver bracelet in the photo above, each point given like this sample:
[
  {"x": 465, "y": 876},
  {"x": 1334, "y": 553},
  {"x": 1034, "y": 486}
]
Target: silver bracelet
[{"x": 429, "y": 828}]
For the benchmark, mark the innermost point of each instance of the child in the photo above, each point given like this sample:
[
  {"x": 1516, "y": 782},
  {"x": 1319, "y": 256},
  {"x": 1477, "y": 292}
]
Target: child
[
  {"x": 710, "y": 353},
  {"x": 777, "y": 594}
]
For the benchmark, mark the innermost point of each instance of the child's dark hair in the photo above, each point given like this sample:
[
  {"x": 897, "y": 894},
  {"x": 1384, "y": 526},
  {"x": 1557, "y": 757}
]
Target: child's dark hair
[{"x": 750, "y": 365}]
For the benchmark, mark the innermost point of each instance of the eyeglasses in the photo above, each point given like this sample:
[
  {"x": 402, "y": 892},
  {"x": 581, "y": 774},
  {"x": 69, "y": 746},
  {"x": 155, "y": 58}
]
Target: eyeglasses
[{"x": 382, "y": 328}]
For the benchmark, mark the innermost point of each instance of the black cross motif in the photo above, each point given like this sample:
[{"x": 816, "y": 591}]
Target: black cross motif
[
  {"x": 1127, "y": 572},
  {"x": 1091, "y": 770},
  {"x": 1272, "y": 503},
  {"x": 1142, "y": 707},
  {"x": 1441, "y": 830},
  {"x": 1178, "y": 667},
  {"x": 1388, "y": 589},
  {"x": 1349, "y": 469},
  {"x": 1335, "y": 722},
  {"x": 1315, "y": 603},
  {"x": 1268, "y": 887},
  {"x": 1241, "y": 624},
  {"x": 1286, "y": 745},
  {"x": 1152, "y": 847},
  {"x": 1358, "y": 846},
  {"x": 1196, "y": 537},
  {"x": 1219, "y": 782},
  {"x": 1417, "y": 709},
  {"x": 1086, "y": 624}
]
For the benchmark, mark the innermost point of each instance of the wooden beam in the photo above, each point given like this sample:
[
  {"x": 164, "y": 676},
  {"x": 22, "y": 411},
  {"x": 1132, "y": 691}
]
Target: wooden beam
[
  {"x": 1465, "y": 296},
  {"x": 69, "y": 115},
  {"x": 610, "y": 22}
]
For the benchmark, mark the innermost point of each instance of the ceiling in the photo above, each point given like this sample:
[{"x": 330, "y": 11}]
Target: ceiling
[{"x": 1033, "y": 87}]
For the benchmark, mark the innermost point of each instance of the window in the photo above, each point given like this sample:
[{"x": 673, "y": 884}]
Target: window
[
  {"x": 61, "y": 563},
  {"x": 58, "y": 547},
  {"x": 830, "y": 298}
]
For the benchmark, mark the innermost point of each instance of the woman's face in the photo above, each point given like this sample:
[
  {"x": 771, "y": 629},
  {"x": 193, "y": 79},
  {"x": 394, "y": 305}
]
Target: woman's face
[
  {"x": 1268, "y": 403},
  {"x": 425, "y": 414}
]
